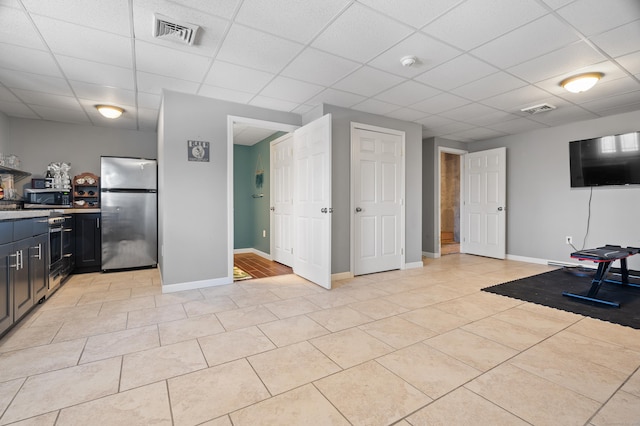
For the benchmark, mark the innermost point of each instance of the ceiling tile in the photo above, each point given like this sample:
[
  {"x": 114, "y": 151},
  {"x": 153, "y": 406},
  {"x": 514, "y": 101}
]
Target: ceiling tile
[
  {"x": 11, "y": 3},
  {"x": 255, "y": 49},
  {"x": 291, "y": 90},
  {"x": 621, "y": 40},
  {"x": 104, "y": 94},
  {"x": 336, "y": 97},
  {"x": 148, "y": 101},
  {"x": 456, "y": 72},
  {"x": 429, "y": 52},
  {"x": 24, "y": 59},
  {"x": 516, "y": 126},
  {"x": 17, "y": 109},
  {"x": 16, "y": 28},
  {"x": 485, "y": 120},
  {"x": 529, "y": 41},
  {"x": 406, "y": 114},
  {"x": 148, "y": 119},
  {"x": 302, "y": 109},
  {"x": 292, "y": 19},
  {"x": 360, "y": 34},
  {"x": 439, "y": 103},
  {"x": 152, "y": 83},
  {"x": 630, "y": 62},
  {"x": 407, "y": 93},
  {"x": 467, "y": 112},
  {"x": 46, "y": 99},
  {"x": 35, "y": 82},
  {"x": 271, "y": 103},
  {"x": 318, "y": 67},
  {"x": 563, "y": 115},
  {"x": 596, "y": 16},
  {"x": 111, "y": 16},
  {"x": 62, "y": 114},
  {"x": 222, "y": 8},
  {"x": 556, "y": 4},
  {"x": 565, "y": 60},
  {"x": 475, "y": 22},
  {"x": 367, "y": 81},
  {"x": 96, "y": 73},
  {"x": 452, "y": 127},
  {"x": 170, "y": 62},
  {"x": 412, "y": 12},
  {"x": 476, "y": 134},
  {"x": 488, "y": 86},
  {"x": 435, "y": 121},
  {"x": 225, "y": 94},
  {"x": 7, "y": 96},
  {"x": 373, "y": 106},
  {"x": 85, "y": 43},
  {"x": 236, "y": 77},
  {"x": 609, "y": 102},
  {"x": 514, "y": 99},
  {"x": 209, "y": 35}
]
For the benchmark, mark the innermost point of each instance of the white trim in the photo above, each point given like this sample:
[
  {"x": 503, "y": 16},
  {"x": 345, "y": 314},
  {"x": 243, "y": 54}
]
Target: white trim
[
  {"x": 413, "y": 265},
  {"x": 431, "y": 255},
  {"x": 436, "y": 214},
  {"x": 231, "y": 119},
  {"x": 545, "y": 261},
  {"x": 403, "y": 202},
  {"x": 254, "y": 251},
  {"x": 194, "y": 285},
  {"x": 341, "y": 276}
]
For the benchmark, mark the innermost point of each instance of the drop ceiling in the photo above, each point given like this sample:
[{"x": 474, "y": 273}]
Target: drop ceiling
[{"x": 479, "y": 62}]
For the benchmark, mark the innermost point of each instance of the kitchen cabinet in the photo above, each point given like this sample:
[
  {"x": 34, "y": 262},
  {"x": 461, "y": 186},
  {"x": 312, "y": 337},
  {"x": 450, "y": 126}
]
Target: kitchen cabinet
[
  {"x": 38, "y": 266},
  {"x": 88, "y": 256},
  {"x": 6, "y": 287}
]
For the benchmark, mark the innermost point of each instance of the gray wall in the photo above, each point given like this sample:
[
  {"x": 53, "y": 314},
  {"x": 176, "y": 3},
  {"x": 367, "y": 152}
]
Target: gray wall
[
  {"x": 341, "y": 169},
  {"x": 430, "y": 182},
  {"x": 40, "y": 142},
  {"x": 542, "y": 208},
  {"x": 4, "y": 134},
  {"x": 193, "y": 203}
]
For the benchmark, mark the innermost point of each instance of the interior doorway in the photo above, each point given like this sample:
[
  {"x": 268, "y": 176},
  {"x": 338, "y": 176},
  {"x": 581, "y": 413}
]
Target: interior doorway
[{"x": 449, "y": 210}]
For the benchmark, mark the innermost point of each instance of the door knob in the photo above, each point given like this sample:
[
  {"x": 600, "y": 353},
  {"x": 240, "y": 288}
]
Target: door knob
[
  {"x": 358, "y": 209},
  {"x": 500, "y": 209},
  {"x": 323, "y": 210},
  {"x": 272, "y": 209}
]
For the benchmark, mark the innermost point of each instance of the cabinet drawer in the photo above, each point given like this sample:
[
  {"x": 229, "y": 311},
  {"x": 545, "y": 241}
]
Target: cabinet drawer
[
  {"x": 40, "y": 226},
  {"x": 6, "y": 231}
]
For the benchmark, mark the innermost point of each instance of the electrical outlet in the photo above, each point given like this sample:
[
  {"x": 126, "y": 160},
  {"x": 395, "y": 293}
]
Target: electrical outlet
[{"x": 568, "y": 239}]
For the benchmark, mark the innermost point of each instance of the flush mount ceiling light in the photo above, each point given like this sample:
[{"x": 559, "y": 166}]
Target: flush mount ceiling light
[
  {"x": 408, "y": 61},
  {"x": 581, "y": 82},
  {"x": 110, "y": 111}
]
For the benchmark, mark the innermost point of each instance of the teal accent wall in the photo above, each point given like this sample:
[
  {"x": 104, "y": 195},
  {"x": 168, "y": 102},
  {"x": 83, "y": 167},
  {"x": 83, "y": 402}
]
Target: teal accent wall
[{"x": 251, "y": 215}]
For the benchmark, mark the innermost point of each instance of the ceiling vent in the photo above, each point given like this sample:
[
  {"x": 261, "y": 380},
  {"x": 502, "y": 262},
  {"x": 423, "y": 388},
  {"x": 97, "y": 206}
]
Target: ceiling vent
[
  {"x": 536, "y": 109},
  {"x": 170, "y": 29}
]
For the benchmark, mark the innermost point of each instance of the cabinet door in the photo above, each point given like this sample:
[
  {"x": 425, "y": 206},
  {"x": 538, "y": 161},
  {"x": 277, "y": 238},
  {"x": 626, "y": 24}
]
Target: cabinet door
[
  {"x": 7, "y": 262},
  {"x": 88, "y": 242},
  {"x": 38, "y": 272},
  {"x": 22, "y": 286}
]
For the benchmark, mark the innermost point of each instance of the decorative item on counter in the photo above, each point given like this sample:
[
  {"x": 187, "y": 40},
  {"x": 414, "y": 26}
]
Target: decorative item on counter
[
  {"x": 9, "y": 160},
  {"x": 60, "y": 173},
  {"x": 7, "y": 183},
  {"x": 86, "y": 190}
]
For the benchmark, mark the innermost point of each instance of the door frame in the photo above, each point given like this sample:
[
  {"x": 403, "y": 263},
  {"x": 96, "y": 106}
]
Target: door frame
[
  {"x": 231, "y": 120},
  {"x": 436, "y": 214},
  {"x": 352, "y": 183}
]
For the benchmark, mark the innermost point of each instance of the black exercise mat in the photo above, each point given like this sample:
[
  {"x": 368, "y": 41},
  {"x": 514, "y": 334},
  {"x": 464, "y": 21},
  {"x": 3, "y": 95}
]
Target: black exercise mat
[{"x": 546, "y": 289}]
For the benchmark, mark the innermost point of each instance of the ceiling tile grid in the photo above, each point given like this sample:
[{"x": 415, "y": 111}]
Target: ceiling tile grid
[{"x": 478, "y": 62}]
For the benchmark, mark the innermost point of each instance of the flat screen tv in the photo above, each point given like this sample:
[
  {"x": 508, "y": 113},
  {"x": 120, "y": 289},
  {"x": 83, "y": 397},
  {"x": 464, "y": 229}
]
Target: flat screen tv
[{"x": 609, "y": 160}]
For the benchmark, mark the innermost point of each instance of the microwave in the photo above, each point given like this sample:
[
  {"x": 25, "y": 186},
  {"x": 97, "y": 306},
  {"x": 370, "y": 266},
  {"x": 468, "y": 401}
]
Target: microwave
[{"x": 46, "y": 198}]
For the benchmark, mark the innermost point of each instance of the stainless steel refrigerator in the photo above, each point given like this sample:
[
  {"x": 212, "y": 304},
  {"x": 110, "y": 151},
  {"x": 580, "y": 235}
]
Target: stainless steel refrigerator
[{"x": 129, "y": 206}]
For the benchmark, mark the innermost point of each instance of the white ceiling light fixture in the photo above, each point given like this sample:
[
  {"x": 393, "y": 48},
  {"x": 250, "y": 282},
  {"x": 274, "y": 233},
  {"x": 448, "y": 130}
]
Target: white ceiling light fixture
[
  {"x": 408, "y": 61},
  {"x": 110, "y": 111},
  {"x": 581, "y": 82}
]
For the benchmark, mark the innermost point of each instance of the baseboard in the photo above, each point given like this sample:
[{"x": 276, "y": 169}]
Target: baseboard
[
  {"x": 254, "y": 251},
  {"x": 413, "y": 265},
  {"x": 544, "y": 261},
  {"x": 194, "y": 285},
  {"x": 341, "y": 276},
  {"x": 431, "y": 255}
]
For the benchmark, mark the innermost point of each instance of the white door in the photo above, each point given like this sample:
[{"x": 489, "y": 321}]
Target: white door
[
  {"x": 312, "y": 201},
  {"x": 484, "y": 203},
  {"x": 281, "y": 184},
  {"x": 377, "y": 196}
]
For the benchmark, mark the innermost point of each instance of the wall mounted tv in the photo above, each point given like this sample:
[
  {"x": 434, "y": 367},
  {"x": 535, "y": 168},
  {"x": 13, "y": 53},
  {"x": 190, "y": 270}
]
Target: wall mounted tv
[{"x": 609, "y": 160}]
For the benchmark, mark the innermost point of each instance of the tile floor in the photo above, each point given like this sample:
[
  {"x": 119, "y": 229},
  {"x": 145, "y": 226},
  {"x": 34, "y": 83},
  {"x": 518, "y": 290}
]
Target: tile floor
[{"x": 415, "y": 347}]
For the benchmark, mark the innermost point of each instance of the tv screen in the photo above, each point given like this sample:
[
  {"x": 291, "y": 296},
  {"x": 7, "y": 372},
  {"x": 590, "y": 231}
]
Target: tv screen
[{"x": 609, "y": 160}]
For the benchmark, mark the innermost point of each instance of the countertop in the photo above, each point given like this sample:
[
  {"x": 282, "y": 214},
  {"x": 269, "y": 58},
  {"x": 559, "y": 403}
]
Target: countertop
[{"x": 26, "y": 214}]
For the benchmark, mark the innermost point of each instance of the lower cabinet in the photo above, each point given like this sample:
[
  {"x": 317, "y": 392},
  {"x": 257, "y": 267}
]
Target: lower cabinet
[
  {"x": 7, "y": 261},
  {"x": 88, "y": 253},
  {"x": 22, "y": 286}
]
